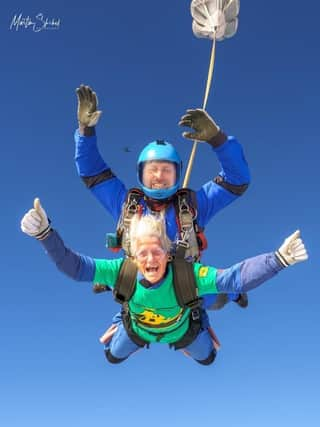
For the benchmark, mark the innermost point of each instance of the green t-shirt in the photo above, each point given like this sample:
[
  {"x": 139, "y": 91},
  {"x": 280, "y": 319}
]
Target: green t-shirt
[{"x": 155, "y": 313}]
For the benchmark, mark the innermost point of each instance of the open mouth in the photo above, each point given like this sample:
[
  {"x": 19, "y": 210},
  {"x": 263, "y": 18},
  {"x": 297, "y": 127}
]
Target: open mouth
[
  {"x": 152, "y": 269},
  {"x": 159, "y": 186}
]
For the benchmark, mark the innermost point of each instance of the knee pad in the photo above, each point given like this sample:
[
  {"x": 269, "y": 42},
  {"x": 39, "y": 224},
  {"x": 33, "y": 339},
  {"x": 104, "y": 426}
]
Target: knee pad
[
  {"x": 112, "y": 359},
  {"x": 210, "y": 359}
]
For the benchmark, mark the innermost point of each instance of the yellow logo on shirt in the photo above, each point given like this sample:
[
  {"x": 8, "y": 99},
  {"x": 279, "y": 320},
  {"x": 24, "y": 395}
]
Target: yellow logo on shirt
[
  {"x": 149, "y": 318},
  {"x": 203, "y": 272}
]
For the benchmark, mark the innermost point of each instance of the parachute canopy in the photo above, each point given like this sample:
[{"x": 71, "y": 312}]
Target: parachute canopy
[{"x": 215, "y": 18}]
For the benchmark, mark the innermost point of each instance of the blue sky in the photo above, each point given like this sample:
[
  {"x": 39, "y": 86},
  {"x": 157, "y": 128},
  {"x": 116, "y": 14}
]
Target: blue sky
[{"x": 148, "y": 68}]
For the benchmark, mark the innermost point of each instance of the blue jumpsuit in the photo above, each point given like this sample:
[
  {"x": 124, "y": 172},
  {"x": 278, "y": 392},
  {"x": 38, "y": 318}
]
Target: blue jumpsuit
[{"x": 211, "y": 198}]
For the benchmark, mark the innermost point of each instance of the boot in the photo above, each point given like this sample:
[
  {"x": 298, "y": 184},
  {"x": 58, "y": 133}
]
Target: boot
[
  {"x": 242, "y": 300},
  {"x": 98, "y": 288}
]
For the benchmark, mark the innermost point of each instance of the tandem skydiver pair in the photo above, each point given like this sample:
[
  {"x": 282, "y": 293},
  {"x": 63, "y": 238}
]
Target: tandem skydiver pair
[{"x": 160, "y": 227}]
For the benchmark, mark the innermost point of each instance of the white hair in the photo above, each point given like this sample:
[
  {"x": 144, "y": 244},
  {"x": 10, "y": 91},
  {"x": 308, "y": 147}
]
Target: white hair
[{"x": 148, "y": 226}]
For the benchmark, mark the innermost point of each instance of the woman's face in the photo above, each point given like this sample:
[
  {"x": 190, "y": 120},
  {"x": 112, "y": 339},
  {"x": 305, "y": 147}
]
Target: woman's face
[{"x": 151, "y": 258}]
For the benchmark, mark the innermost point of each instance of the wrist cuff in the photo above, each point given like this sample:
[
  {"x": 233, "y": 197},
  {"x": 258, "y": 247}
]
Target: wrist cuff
[
  {"x": 87, "y": 131},
  {"x": 218, "y": 139},
  {"x": 43, "y": 235},
  {"x": 281, "y": 259}
]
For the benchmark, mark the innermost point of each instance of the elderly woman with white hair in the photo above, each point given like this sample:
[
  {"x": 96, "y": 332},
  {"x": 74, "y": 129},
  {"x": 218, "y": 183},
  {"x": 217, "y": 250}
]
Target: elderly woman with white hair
[{"x": 152, "y": 312}]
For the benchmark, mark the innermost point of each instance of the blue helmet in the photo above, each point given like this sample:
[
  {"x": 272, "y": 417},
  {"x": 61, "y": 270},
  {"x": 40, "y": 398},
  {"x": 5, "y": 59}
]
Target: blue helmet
[{"x": 162, "y": 151}]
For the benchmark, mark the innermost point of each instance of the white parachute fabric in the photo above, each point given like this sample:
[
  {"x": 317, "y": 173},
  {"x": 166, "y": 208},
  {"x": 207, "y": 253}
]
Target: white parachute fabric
[{"x": 215, "y": 18}]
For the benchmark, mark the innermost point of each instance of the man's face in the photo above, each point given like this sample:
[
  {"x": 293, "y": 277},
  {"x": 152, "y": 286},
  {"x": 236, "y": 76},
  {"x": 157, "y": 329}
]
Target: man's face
[
  {"x": 158, "y": 175},
  {"x": 151, "y": 259}
]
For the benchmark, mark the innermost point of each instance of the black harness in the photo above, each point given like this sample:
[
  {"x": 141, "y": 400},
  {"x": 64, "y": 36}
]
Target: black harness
[
  {"x": 191, "y": 236},
  {"x": 185, "y": 205},
  {"x": 186, "y": 293}
]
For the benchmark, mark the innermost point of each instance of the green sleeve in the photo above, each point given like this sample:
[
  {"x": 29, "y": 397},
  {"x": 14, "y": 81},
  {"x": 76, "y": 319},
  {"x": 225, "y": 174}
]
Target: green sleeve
[
  {"x": 205, "y": 278},
  {"x": 107, "y": 271}
]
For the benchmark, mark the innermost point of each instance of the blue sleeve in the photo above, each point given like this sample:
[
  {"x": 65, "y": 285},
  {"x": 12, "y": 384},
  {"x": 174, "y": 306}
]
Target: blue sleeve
[
  {"x": 248, "y": 274},
  {"x": 211, "y": 198},
  {"x": 78, "y": 267},
  {"x": 110, "y": 193},
  {"x": 87, "y": 157},
  {"x": 234, "y": 166}
]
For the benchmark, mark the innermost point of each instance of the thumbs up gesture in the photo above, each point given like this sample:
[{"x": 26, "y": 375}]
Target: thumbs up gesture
[
  {"x": 35, "y": 222},
  {"x": 292, "y": 250}
]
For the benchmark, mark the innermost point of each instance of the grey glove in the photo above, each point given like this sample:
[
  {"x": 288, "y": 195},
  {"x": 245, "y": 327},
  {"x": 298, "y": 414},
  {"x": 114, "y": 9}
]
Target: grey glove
[
  {"x": 88, "y": 115},
  {"x": 204, "y": 126}
]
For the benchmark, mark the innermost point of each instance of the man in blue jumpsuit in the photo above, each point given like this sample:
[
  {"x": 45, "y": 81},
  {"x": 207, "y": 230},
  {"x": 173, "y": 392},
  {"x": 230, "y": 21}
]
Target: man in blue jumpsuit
[{"x": 159, "y": 171}]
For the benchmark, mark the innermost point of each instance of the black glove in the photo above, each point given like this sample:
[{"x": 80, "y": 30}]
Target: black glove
[
  {"x": 88, "y": 115},
  {"x": 204, "y": 126}
]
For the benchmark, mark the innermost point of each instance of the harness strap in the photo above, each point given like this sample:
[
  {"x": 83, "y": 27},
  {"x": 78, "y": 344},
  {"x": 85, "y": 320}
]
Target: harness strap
[
  {"x": 126, "y": 319},
  {"x": 190, "y": 335},
  {"x": 192, "y": 237},
  {"x": 130, "y": 208},
  {"x": 185, "y": 215},
  {"x": 185, "y": 205},
  {"x": 122, "y": 292},
  {"x": 187, "y": 296},
  {"x": 184, "y": 281},
  {"x": 126, "y": 282}
]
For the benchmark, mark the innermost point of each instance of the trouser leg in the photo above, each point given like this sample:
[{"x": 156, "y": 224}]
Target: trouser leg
[
  {"x": 119, "y": 346},
  {"x": 218, "y": 301},
  {"x": 203, "y": 347}
]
